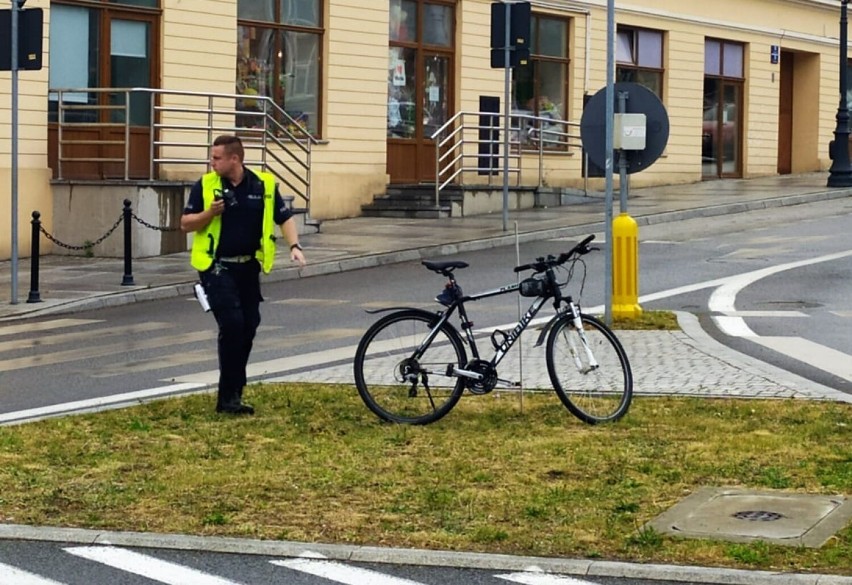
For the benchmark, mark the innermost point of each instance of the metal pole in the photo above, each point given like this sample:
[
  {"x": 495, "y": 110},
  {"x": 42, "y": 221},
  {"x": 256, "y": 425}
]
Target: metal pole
[
  {"x": 507, "y": 39},
  {"x": 610, "y": 114},
  {"x": 840, "y": 173},
  {"x": 622, "y": 159},
  {"x": 14, "y": 15}
]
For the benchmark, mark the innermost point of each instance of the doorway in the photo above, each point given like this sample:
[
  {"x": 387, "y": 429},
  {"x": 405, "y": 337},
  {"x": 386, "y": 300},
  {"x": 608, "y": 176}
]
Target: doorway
[
  {"x": 785, "y": 114},
  {"x": 420, "y": 87}
]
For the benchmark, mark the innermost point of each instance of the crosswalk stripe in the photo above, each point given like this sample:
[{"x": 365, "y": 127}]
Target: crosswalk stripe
[
  {"x": 45, "y": 326},
  {"x": 104, "y": 350},
  {"x": 58, "y": 338},
  {"x": 542, "y": 579},
  {"x": 10, "y": 575},
  {"x": 147, "y": 566},
  {"x": 342, "y": 573}
]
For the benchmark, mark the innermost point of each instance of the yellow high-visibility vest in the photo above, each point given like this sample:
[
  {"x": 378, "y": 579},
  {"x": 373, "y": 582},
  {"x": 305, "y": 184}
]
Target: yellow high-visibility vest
[{"x": 206, "y": 240}]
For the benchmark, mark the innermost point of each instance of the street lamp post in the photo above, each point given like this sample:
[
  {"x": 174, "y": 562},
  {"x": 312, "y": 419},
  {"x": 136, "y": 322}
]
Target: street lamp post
[{"x": 840, "y": 173}]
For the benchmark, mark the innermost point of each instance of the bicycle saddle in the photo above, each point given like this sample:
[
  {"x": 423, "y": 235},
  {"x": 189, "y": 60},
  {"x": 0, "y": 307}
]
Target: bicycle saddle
[{"x": 445, "y": 266}]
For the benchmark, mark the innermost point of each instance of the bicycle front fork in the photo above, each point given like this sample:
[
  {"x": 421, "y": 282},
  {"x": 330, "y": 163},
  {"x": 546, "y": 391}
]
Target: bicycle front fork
[{"x": 577, "y": 320}]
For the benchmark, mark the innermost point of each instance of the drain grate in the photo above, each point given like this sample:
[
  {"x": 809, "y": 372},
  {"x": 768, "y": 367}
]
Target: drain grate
[{"x": 758, "y": 516}]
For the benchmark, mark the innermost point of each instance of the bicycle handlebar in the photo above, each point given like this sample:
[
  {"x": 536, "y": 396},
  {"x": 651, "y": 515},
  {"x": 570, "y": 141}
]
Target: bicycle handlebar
[{"x": 542, "y": 264}]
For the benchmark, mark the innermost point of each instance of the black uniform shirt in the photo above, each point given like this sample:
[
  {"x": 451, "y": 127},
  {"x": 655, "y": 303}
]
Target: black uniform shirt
[{"x": 242, "y": 224}]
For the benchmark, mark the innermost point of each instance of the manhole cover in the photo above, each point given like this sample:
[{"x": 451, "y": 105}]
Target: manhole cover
[
  {"x": 743, "y": 515},
  {"x": 758, "y": 516}
]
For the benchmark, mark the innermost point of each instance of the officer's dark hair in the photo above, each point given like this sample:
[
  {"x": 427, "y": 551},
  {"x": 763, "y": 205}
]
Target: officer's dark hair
[{"x": 233, "y": 145}]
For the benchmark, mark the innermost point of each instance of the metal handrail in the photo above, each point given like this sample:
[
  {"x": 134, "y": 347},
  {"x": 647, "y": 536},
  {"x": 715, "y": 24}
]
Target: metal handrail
[
  {"x": 527, "y": 134},
  {"x": 281, "y": 143}
]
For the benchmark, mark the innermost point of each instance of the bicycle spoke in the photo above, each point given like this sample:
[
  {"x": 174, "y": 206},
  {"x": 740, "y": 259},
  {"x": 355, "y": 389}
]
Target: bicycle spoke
[
  {"x": 388, "y": 375},
  {"x": 589, "y": 371}
]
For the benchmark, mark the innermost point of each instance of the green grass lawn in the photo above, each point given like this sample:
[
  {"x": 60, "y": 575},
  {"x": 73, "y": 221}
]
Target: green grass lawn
[{"x": 315, "y": 465}]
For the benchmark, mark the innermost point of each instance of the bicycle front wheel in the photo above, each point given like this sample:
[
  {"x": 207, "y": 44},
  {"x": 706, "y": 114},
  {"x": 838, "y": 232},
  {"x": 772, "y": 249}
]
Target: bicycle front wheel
[
  {"x": 589, "y": 370},
  {"x": 403, "y": 379}
]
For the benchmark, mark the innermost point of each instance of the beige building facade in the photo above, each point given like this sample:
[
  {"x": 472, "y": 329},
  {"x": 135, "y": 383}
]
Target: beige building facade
[{"x": 750, "y": 88}]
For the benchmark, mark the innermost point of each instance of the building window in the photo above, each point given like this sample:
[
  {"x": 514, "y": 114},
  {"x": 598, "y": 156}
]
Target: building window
[
  {"x": 639, "y": 58},
  {"x": 102, "y": 45},
  {"x": 279, "y": 56},
  {"x": 541, "y": 87}
]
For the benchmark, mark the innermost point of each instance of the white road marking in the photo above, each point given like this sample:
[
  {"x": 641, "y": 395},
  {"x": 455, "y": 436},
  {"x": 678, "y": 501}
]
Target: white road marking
[
  {"x": 773, "y": 314},
  {"x": 279, "y": 365},
  {"x": 147, "y": 566},
  {"x": 731, "y": 322},
  {"x": 814, "y": 354},
  {"x": 58, "y": 357},
  {"x": 542, "y": 579},
  {"x": 74, "y": 336},
  {"x": 95, "y": 403},
  {"x": 45, "y": 326},
  {"x": 341, "y": 573},
  {"x": 10, "y": 575},
  {"x": 723, "y": 298}
]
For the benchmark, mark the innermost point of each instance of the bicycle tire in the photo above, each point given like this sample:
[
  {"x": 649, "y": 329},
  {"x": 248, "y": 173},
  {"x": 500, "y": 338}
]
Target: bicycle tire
[
  {"x": 383, "y": 360},
  {"x": 594, "y": 395}
]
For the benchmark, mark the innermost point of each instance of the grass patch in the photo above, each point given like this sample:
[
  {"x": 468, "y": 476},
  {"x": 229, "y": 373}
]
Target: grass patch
[
  {"x": 315, "y": 465},
  {"x": 648, "y": 321}
]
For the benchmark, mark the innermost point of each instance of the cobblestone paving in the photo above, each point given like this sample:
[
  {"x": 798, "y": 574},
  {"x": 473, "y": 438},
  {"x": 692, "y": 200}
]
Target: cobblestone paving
[{"x": 663, "y": 363}]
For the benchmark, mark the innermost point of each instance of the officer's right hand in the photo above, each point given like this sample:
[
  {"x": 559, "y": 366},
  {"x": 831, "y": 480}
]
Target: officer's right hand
[{"x": 217, "y": 207}]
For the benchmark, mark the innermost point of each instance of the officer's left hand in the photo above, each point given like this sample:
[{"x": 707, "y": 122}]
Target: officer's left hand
[{"x": 296, "y": 255}]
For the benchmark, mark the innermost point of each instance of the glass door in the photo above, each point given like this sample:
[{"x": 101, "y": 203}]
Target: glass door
[
  {"x": 721, "y": 129},
  {"x": 419, "y": 101}
]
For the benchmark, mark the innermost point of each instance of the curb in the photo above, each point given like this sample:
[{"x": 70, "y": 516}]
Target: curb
[{"x": 401, "y": 556}]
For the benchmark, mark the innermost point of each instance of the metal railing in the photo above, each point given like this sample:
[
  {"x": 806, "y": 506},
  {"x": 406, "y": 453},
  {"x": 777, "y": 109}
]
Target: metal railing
[
  {"x": 472, "y": 142},
  {"x": 181, "y": 126}
]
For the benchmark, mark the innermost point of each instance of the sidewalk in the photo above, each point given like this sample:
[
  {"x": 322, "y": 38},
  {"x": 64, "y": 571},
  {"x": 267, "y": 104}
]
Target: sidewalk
[{"x": 72, "y": 283}]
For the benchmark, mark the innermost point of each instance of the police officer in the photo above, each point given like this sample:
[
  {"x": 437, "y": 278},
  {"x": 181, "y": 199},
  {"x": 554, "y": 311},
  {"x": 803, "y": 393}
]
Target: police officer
[{"x": 233, "y": 212}]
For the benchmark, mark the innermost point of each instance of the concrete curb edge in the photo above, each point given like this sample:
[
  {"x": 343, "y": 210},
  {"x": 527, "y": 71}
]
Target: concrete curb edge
[{"x": 400, "y": 556}]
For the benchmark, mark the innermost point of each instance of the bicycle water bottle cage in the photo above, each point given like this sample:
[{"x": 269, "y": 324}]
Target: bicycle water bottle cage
[{"x": 496, "y": 343}]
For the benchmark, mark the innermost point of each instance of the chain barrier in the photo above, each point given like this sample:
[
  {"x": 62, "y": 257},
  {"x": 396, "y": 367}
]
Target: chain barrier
[
  {"x": 127, "y": 279},
  {"x": 153, "y": 227},
  {"x": 87, "y": 245}
]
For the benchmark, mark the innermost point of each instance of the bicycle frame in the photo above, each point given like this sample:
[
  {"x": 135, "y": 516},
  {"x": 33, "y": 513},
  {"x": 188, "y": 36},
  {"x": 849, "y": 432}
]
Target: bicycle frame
[{"x": 511, "y": 337}]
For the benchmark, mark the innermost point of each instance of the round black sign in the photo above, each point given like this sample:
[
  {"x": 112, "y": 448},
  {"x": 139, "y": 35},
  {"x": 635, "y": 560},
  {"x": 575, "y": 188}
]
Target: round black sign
[{"x": 640, "y": 100}]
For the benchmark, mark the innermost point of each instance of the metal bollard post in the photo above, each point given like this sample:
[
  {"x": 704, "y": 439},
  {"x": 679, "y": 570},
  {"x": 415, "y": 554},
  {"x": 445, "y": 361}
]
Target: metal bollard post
[
  {"x": 625, "y": 267},
  {"x": 127, "y": 279},
  {"x": 34, "y": 296}
]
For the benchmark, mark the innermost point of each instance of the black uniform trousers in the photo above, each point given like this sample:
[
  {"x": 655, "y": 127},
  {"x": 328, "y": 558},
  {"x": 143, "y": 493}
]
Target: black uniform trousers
[{"x": 233, "y": 290}]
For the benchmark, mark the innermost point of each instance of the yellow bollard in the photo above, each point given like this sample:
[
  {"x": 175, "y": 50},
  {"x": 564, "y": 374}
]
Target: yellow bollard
[{"x": 625, "y": 268}]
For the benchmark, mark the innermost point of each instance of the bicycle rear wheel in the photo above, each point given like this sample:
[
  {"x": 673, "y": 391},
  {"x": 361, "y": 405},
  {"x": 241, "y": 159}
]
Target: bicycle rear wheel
[
  {"x": 399, "y": 385},
  {"x": 594, "y": 391}
]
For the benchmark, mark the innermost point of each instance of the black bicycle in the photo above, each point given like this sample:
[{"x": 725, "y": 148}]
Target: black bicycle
[{"x": 411, "y": 365}]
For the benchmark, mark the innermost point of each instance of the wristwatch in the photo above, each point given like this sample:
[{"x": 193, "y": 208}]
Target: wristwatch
[{"x": 296, "y": 245}]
